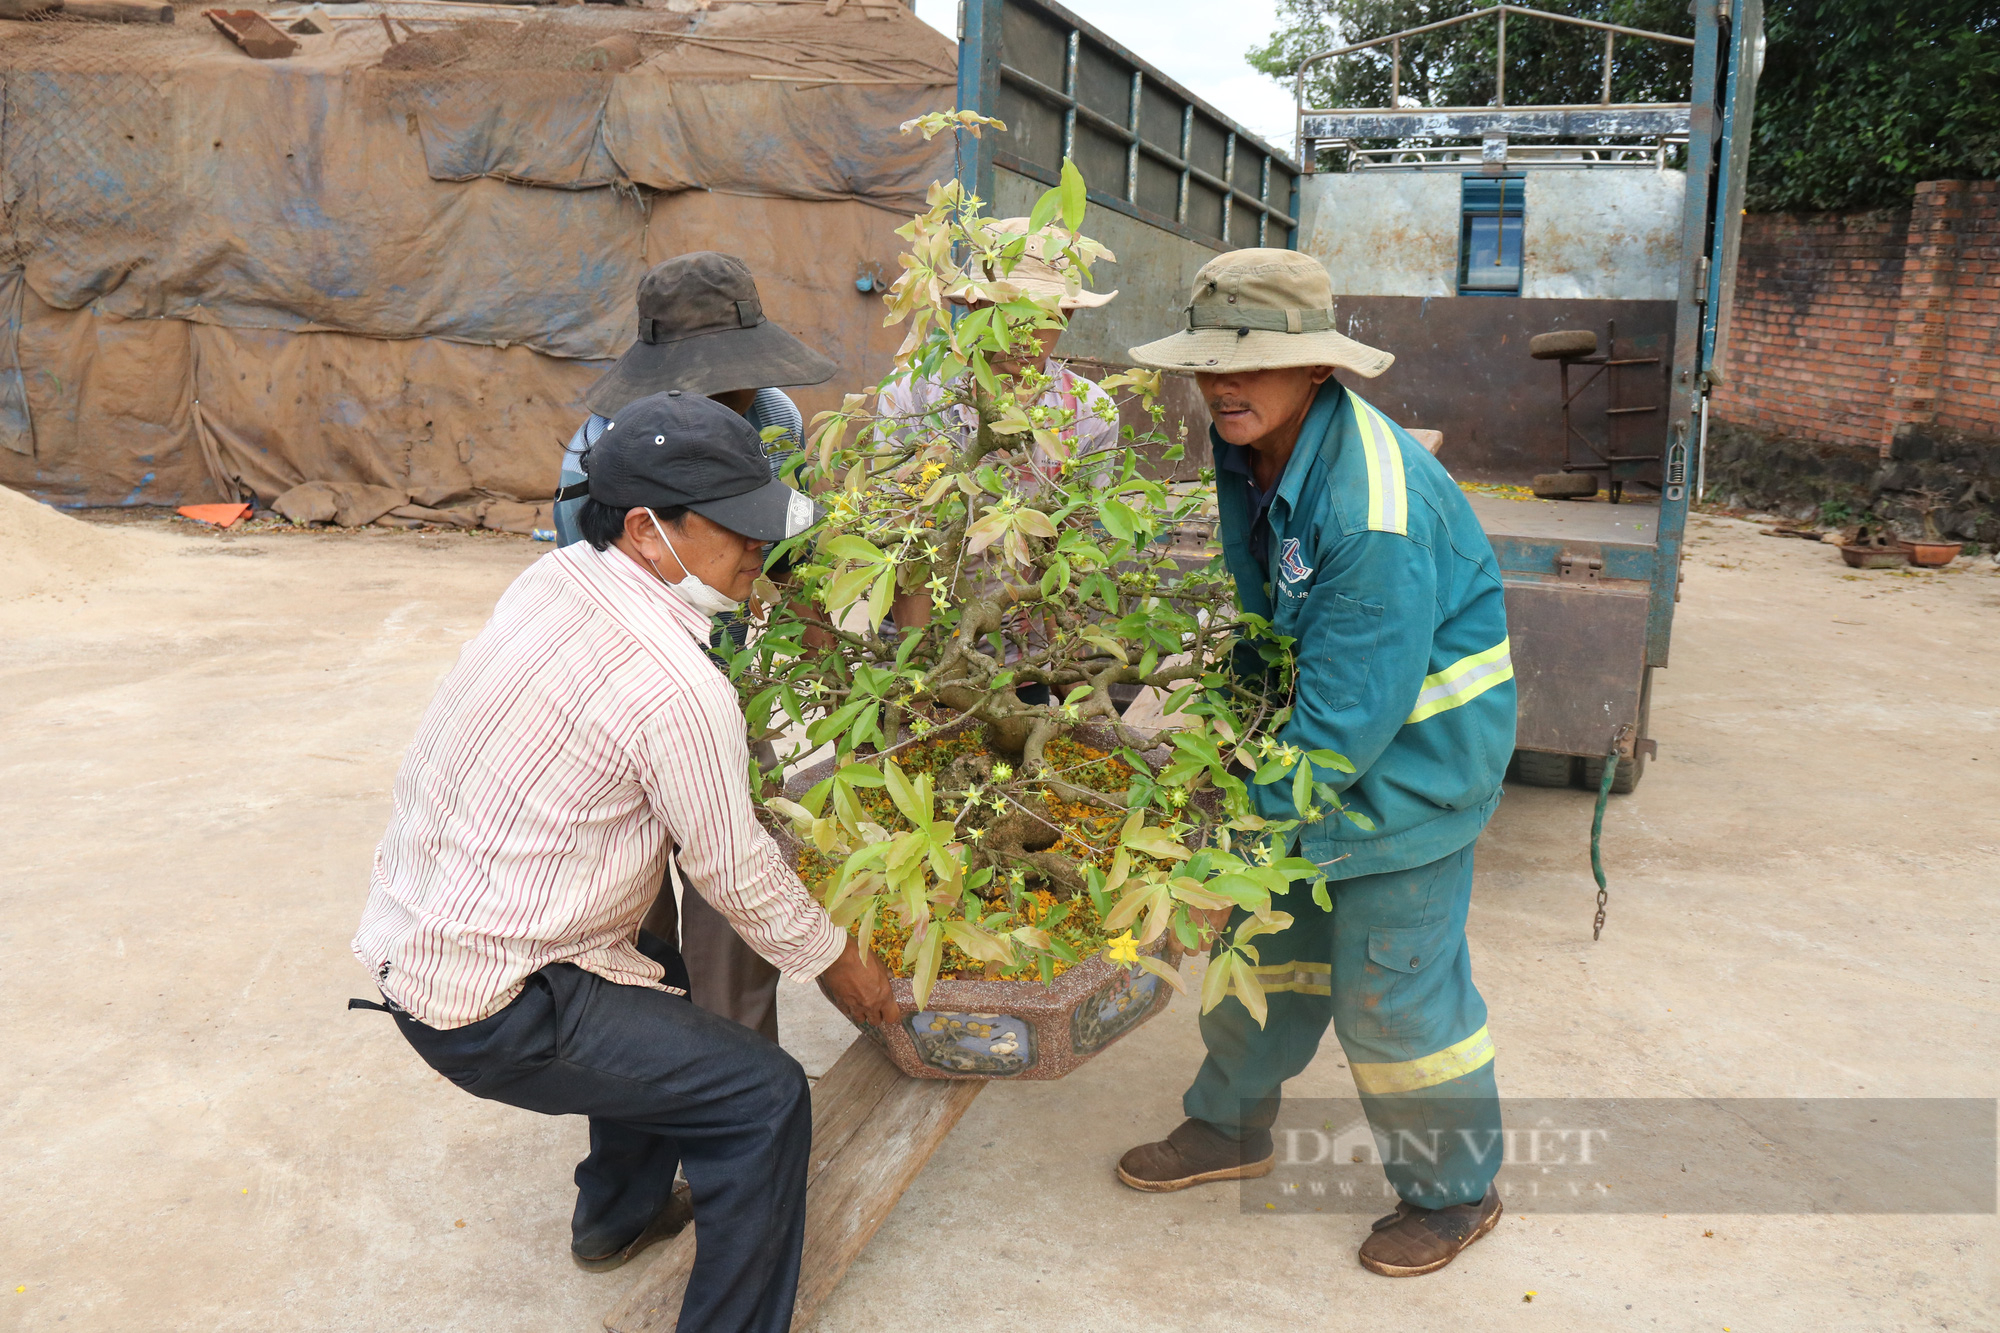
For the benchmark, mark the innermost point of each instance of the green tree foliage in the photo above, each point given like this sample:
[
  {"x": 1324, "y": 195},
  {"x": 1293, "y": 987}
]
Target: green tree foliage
[
  {"x": 1547, "y": 63},
  {"x": 1862, "y": 99},
  {"x": 1859, "y": 99}
]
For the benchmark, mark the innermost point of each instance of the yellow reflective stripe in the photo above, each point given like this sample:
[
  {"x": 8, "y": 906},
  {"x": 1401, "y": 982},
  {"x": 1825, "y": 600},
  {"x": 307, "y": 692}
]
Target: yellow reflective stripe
[
  {"x": 1300, "y": 978},
  {"x": 1463, "y": 681},
  {"x": 1388, "y": 499},
  {"x": 1428, "y": 1071}
]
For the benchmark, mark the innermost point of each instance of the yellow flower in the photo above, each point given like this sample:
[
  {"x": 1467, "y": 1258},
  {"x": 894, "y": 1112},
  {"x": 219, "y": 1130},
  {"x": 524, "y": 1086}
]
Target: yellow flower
[{"x": 1122, "y": 948}]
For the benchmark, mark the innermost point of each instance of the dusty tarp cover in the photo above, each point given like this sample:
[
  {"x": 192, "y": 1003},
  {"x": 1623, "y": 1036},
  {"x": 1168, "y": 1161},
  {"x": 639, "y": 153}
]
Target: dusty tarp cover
[
  {"x": 157, "y": 172},
  {"x": 221, "y": 275}
]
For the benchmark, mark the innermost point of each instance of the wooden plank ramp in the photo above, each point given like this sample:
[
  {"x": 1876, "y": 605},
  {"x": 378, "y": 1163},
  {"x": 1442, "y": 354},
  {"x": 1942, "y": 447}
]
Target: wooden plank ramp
[{"x": 873, "y": 1130}]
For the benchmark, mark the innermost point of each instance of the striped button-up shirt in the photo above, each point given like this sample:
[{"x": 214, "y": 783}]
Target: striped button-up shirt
[{"x": 583, "y": 734}]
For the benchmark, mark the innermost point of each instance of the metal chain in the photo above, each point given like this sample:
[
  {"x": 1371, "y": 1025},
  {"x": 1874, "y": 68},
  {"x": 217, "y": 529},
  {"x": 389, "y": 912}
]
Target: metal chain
[{"x": 1597, "y": 830}]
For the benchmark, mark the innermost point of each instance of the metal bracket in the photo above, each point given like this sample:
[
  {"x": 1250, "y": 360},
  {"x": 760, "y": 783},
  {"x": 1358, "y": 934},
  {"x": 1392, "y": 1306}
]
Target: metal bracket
[{"x": 1574, "y": 567}]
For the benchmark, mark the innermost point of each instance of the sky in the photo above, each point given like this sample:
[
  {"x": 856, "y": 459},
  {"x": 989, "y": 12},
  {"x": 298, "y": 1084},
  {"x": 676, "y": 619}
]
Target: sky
[{"x": 1184, "y": 39}]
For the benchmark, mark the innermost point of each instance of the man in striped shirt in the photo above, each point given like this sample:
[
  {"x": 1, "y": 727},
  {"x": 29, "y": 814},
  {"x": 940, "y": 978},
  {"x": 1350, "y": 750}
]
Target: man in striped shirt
[
  {"x": 583, "y": 736},
  {"x": 702, "y": 329}
]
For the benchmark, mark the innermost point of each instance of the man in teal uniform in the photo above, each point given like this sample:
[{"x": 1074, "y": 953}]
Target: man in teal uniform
[{"x": 1352, "y": 540}]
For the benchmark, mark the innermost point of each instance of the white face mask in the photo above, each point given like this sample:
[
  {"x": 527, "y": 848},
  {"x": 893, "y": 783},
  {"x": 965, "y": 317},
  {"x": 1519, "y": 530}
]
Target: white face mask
[{"x": 691, "y": 589}]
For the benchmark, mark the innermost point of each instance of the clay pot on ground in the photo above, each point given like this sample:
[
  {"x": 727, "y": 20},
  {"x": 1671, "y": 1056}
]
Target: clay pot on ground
[
  {"x": 1931, "y": 553},
  {"x": 1871, "y": 548}
]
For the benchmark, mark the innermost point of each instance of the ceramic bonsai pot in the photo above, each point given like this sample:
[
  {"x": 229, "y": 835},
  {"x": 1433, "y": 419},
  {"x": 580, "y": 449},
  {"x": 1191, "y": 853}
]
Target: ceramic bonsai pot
[
  {"x": 1021, "y": 1029},
  {"x": 1013, "y": 1029},
  {"x": 1931, "y": 554},
  {"x": 1871, "y": 557}
]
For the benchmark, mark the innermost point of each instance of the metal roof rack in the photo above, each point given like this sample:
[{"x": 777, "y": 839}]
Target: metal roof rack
[{"x": 1604, "y": 119}]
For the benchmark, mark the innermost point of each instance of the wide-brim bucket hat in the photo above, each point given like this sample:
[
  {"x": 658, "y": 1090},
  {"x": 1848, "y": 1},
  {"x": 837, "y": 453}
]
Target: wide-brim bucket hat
[
  {"x": 1035, "y": 275},
  {"x": 702, "y": 330},
  {"x": 1260, "y": 309}
]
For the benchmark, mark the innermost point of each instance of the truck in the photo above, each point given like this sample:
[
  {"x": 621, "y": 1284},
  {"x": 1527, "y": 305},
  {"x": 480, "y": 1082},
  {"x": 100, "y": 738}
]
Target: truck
[{"x": 1554, "y": 280}]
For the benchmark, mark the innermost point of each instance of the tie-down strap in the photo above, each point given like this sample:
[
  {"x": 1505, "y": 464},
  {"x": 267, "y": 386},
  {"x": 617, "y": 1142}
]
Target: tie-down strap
[{"x": 1223, "y": 315}]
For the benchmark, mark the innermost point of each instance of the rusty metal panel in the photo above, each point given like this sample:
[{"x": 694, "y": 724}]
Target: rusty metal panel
[
  {"x": 1462, "y": 367},
  {"x": 1579, "y": 648},
  {"x": 1611, "y": 235},
  {"x": 1388, "y": 233}
]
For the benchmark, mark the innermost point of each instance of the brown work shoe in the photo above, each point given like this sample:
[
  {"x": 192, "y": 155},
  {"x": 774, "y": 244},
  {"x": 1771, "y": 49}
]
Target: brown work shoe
[
  {"x": 668, "y": 1222},
  {"x": 1415, "y": 1240},
  {"x": 1192, "y": 1154}
]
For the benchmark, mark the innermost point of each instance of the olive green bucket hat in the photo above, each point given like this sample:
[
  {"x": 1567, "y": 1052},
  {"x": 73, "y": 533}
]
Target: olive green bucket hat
[
  {"x": 702, "y": 330},
  {"x": 1261, "y": 310}
]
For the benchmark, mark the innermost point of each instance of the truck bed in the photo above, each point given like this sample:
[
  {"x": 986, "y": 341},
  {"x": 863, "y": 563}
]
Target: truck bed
[
  {"x": 1577, "y": 577},
  {"x": 1568, "y": 520}
]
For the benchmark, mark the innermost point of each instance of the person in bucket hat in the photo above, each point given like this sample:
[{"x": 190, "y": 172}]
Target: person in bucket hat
[
  {"x": 1351, "y": 540},
  {"x": 702, "y": 330}
]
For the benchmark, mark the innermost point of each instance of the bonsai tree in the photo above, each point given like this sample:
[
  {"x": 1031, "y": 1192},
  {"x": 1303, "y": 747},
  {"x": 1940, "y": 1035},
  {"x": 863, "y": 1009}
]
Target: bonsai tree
[
  {"x": 968, "y": 823},
  {"x": 1925, "y": 501}
]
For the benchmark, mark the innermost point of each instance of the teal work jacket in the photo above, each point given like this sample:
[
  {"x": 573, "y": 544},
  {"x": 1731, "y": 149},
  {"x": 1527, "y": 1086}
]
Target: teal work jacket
[{"x": 1377, "y": 567}]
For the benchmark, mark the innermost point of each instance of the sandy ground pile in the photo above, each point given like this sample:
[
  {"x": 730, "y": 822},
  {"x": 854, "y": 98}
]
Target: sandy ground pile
[
  {"x": 198, "y": 1136},
  {"x": 44, "y": 550}
]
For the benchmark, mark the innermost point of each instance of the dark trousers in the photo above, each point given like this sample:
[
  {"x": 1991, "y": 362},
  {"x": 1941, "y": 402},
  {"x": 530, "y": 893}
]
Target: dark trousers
[
  {"x": 664, "y": 1084},
  {"x": 724, "y": 975}
]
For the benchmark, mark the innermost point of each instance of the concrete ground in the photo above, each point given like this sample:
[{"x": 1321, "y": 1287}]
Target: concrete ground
[{"x": 196, "y": 761}]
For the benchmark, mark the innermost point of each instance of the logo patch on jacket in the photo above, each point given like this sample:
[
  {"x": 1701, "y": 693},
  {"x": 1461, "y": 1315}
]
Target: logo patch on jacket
[{"x": 1289, "y": 563}]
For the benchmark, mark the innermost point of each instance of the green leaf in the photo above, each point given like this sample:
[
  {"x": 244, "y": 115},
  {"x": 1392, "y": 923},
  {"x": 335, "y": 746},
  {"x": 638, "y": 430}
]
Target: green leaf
[
  {"x": 1198, "y": 896},
  {"x": 1302, "y": 788},
  {"x": 1215, "y": 983},
  {"x": 836, "y": 722},
  {"x": 849, "y": 547},
  {"x": 1167, "y": 974},
  {"x": 983, "y": 372},
  {"x": 1045, "y": 209},
  {"x": 1034, "y": 523},
  {"x": 1271, "y": 771},
  {"x": 881, "y": 595},
  {"x": 924, "y": 967},
  {"x": 815, "y": 798},
  {"x": 976, "y": 943},
  {"x": 861, "y": 775},
  {"x": 791, "y": 810},
  {"x": 1157, "y": 842},
  {"x": 865, "y": 728},
  {"x": 1136, "y": 899},
  {"x": 1251, "y": 991},
  {"x": 1359, "y": 820},
  {"x": 1329, "y": 759},
  {"x": 904, "y": 794},
  {"x": 906, "y": 849},
  {"x": 1118, "y": 520},
  {"x": 1241, "y": 890},
  {"x": 842, "y": 592},
  {"x": 1321, "y": 898},
  {"x": 1268, "y": 924},
  {"x": 1074, "y": 196}
]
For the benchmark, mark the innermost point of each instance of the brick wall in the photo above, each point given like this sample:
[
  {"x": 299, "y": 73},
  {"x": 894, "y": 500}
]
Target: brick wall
[
  {"x": 1968, "y": 397},
  {"x": 1852, "y": 328}
]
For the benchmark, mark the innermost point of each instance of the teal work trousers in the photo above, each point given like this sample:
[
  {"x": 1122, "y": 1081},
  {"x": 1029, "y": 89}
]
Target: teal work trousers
[{"x": 1388, "y": 967}]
